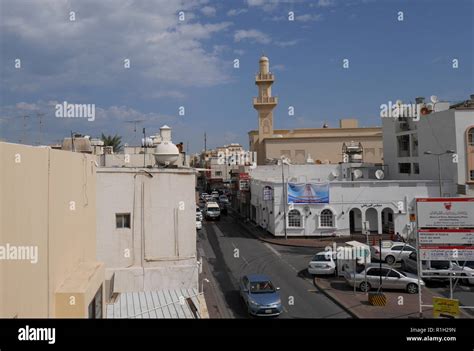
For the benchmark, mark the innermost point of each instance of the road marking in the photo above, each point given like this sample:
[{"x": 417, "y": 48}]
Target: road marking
[
  {"x": 272, "y": 249},
  {"x": 245, "y": 260}
]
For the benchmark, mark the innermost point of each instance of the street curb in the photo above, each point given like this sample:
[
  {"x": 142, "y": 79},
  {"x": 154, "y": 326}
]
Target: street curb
[
  {"x": 336, "y": 301},
  {"x": 249, "y": 229}
]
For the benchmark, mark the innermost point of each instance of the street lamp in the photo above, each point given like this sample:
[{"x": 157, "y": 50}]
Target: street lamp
[
  {"x": 447, "y": 152},
  {"x": 284, "y": 160}
]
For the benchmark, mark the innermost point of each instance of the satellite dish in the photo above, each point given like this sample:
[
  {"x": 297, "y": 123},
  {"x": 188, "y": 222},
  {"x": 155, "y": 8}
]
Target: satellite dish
[
  {"x": 357, "y": 173},
  {"x": 379, "y": 174},
  {"x": 335, "y": 173},
  {"x": 434, "y": 99}
]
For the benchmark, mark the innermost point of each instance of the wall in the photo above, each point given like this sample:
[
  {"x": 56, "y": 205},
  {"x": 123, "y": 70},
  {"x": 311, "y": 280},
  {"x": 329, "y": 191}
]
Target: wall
[
  {"x": 36, "y": 195},
  {"x": 162, "y": 239}
]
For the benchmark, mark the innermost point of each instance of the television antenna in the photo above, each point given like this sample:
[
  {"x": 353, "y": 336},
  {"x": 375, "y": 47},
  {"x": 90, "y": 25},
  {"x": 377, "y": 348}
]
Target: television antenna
[{"x": 135, "y": 122}]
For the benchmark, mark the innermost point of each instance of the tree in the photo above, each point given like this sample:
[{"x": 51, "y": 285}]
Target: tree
[{"x": 114, "y": 141}]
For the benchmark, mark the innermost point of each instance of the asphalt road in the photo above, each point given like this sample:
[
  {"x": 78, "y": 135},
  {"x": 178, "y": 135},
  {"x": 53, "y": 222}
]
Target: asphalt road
[{"x": 230, "y": 252}]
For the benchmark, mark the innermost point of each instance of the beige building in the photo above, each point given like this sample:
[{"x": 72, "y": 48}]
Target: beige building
[
  {"x": 311, "y": 145},
  {"x": 48, "y": 265}
]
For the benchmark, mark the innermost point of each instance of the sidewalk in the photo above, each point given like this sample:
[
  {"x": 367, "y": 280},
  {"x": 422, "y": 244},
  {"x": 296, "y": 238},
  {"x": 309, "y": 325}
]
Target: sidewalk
[
  {"x": 314, "y": 242},
  {"x": 399, "y": 304}
]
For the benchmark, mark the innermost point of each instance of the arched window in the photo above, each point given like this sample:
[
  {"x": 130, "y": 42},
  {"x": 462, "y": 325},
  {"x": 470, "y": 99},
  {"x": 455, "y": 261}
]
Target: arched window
[
  {"x": 326, "y": 218},
  {"x": 294, "y": 218},
  {"x": 470, "y": 137}
]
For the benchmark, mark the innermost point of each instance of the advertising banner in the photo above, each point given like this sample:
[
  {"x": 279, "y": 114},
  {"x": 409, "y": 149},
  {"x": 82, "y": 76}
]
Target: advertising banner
[{"x": 308, "y": 193}]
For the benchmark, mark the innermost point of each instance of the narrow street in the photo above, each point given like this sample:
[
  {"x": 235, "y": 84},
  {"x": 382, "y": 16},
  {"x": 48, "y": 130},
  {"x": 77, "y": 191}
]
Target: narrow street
[{"x": 229, "y": 252}]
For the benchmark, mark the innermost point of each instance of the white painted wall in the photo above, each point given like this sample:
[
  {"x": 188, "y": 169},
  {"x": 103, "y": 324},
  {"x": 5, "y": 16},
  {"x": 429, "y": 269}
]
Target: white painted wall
[
  {"x": 437, "y": 132},
  {"x": 162, "y": 238},
  {"x": 343, "y": 195}
]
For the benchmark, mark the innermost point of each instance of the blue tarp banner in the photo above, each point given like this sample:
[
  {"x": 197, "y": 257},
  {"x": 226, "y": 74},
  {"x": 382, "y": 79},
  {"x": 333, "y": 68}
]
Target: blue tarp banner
[{"x": 308, "y": 193}]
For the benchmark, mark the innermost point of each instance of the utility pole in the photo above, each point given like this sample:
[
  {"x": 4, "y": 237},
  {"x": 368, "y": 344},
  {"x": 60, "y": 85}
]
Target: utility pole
[
  {"x": 23, "y": 140},
  {"x": 284, "y": 197},
  {"x": 40, "y": 115},
  {"x": 205, "y": 142},
  {"x": 144, "y": 148}
]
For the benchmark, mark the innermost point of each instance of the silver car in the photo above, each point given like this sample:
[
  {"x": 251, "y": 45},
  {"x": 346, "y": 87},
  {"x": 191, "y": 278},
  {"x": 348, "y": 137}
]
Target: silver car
[
  {"x": 431, "y": 269},
  {"x": 391, "y": 279},
  {"x": 392, "y": 251}
]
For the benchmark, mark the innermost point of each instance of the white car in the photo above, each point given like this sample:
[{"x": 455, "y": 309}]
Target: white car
[
  {"x": 392, "y": 251},
  {"x": 198, "y": 224},
  {"x": 322, "y": 263},
  {"x": 465, "y": 269},
  {"x": 199, "y": 215}
]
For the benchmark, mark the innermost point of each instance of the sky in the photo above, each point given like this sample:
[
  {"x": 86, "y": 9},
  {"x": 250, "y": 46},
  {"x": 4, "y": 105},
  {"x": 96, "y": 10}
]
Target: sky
[{"x": 182, "y": 55}]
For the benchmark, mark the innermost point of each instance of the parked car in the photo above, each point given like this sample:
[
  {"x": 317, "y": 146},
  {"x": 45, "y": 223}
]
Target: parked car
[
  {"x": 434, "y": 268},
  {"x": 199, "y": 215},
  {"x": 213, "y": 211},
  {"x": 198, "y": 224},
  {"x": 322, "y": 263},
  {"x": 392, "y": 251},
  {"x": 223, "y": 199},
  {"x": 465, "y": 270},
  {"x": 260, "y": 296},
  {"x": 204, "y": 195},
  {"x": 391, "y": 279}
]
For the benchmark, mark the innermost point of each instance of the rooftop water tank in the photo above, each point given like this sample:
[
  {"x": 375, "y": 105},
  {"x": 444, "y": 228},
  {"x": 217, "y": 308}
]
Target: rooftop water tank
[{"x": 166, "y": 153}]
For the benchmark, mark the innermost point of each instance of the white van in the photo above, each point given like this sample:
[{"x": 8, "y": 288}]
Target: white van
[{"x": 213, "y": 211}]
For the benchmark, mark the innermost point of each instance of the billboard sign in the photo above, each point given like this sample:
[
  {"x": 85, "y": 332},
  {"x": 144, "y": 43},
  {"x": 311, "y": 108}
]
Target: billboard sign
[
  {"x": 446, "y": 236},
  {"x": 308, "y": 193},
  {"x": 445, "y": 212},
  {"x": 447, "y": 253}
]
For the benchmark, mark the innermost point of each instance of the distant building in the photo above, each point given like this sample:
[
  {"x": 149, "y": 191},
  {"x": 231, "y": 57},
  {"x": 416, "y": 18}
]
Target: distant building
[
  {"x": 48, "y": 204},
  {"x": 310, "y": 145}
]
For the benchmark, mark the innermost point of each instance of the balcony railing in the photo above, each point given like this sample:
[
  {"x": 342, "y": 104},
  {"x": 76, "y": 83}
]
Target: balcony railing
[
  {"x": 265, "y": 100},
  {"x": 264, "y": 77}
]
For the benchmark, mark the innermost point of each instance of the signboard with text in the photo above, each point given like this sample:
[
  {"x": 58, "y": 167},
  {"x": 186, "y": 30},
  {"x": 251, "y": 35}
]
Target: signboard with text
[
  {"x": 447, "y": 253},
  {"x": 445, "y": 212},
  {"x": 446, "y": 236}
]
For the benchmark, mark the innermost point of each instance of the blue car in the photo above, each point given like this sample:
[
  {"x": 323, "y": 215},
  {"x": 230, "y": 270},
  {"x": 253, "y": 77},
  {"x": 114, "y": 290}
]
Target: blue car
[{"x": 260, "y": 296}]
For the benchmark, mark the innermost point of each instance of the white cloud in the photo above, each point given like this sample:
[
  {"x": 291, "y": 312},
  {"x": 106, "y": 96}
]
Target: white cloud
[
  {"x": 278, "y": 67},
  {"x": 26, "y": 106},
  {"x": 285, "y": 44},
  {"x": 325, "y": 3},
  {"x": 208, "y": 11},
  {"x": 90, "y": 51},
  {"x": 236, "y": 12},
  {"x": 308, "y": 17},
  {"x": 252, "y": 35},
  {"x": 239, "y": 52}
]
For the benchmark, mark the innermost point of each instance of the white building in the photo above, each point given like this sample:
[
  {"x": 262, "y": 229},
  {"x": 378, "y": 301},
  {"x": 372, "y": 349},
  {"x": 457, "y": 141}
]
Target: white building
[
  {"x": 146, "y": 228},
  {"x": 356, "y": 195},
  {"x": 444, "y": 129},
  {"x": 385, "y": 204}
]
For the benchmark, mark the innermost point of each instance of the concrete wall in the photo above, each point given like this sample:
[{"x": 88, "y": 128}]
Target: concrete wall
[
  {"x": 159, "y": 250},
  {"x": 47, "y": 201}
]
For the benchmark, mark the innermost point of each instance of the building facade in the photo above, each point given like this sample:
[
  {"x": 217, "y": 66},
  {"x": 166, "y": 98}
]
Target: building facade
[
  {"x": 48, "y": 206},
  {"x": 387, "y": 206},
  {"x": 146, "y": 229},
  {"x": 444, "y": 132}
]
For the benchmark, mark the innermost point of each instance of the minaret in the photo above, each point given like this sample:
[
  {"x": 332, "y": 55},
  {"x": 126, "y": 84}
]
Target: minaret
[{"x": 264, "y": 103}]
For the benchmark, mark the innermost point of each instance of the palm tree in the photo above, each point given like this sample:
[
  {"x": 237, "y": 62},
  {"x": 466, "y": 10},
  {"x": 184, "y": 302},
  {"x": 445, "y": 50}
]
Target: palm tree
[{"x": 114, "y": 141}]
